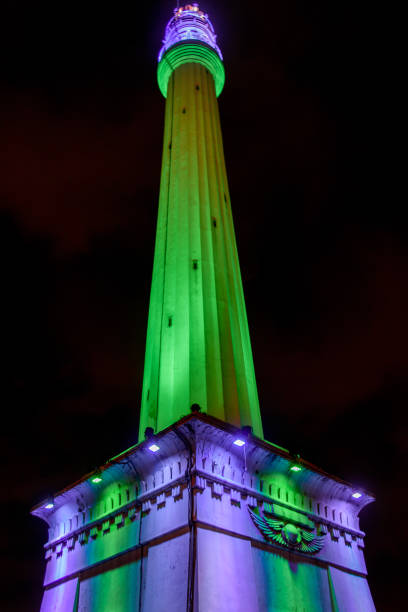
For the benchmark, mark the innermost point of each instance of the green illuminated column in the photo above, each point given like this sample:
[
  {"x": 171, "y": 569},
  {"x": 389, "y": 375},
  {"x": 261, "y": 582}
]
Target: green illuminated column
[{"x": 198, "y": 348}]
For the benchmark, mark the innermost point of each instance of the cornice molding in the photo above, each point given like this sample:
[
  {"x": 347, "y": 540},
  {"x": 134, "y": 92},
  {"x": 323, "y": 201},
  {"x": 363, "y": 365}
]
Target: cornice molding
[{"x": 220, "y": 487}]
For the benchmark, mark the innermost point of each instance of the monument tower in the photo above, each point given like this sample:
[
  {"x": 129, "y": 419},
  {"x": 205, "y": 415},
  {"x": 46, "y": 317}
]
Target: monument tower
[
  {"x": 202, "y": 514},
  {"x": 198, "y": 348}
]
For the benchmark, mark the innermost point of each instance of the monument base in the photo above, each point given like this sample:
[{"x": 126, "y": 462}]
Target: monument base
[{"x": 205, "y": 525}]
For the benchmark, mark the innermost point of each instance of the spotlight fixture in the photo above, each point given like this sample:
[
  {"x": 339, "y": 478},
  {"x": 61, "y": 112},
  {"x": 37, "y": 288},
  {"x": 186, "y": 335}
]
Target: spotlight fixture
[
  {"x": 239, "y": 442},
  {"x": 97, "y": 478},
  {"x": 49, "y": 504},
  {"x": 357, "y": 495},
  {"x": 296, "y": 468},
  {"x": 154, "y": 448}
]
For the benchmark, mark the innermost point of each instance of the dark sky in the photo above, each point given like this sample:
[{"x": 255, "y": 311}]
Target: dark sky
[{"x": 323, "y": 249}]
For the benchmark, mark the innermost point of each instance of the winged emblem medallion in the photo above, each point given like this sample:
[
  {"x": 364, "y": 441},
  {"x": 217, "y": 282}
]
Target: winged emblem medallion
[{"x": 287, "y": 534}]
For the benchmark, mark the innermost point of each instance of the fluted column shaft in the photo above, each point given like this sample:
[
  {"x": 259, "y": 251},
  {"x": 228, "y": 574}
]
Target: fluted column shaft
[{"x": 198, "y": 348}]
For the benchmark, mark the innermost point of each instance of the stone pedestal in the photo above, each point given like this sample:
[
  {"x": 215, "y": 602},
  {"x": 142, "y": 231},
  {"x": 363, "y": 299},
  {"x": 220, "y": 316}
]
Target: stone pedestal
[{"x": 172, "y": 530}]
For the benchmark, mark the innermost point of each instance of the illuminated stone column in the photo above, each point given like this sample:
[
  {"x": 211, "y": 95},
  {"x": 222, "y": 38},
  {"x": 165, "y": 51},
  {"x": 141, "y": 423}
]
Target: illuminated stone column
[
  {"x": 198, "y": 348},
  {"x": 201, "y": 516}
]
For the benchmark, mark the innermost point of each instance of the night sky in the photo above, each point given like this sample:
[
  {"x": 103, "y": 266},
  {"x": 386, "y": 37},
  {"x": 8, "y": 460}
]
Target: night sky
[{"x": 323, "y": 250}]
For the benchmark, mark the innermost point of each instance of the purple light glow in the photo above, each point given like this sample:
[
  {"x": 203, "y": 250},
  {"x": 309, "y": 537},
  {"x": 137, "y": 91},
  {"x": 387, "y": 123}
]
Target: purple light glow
[
  {"x": 239, "y": 442},
  {"x": 187, "y": 24},
  {"x": 49, "y": 506},
  {"x": 357, "y": 495},
  {"x": 154, "y": 448}
]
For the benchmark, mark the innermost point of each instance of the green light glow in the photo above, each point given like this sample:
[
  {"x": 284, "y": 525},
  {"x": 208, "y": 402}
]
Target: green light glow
[
  {"x": 198, "y": 349},
  {"x": 96, "y": 479},
  {"x": 291, "y": 585},
  {"x": 183, "y": 53},
  {"x": 123, "y": 452},
  {"x": 296, "y": 468},
  {"x": 277, "y": 446}
]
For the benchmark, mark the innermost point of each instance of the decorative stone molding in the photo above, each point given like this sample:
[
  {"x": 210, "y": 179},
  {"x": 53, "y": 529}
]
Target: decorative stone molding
[
  {"x": 198, "y": 482},
  {"x": 242, "y": 489},
  {"x": 252, "y": 501},
  {"x": 335, "y": 533},
  {"x": 360, "y": 542},
  {"x": 71, "y": 543},
  {"x": 176, "y": 492},
  {"x": 161, "y": 500},
  {"x": 322, "y": 528},
  {"x": 279, "y": 511},
  {"x": 120, "y": 519},
  {"x": 235, "y": 495},
  {"x": 217, "y": 490},
  {"x": 284, "y": 511},
  {"x": 132, "y": 513}
]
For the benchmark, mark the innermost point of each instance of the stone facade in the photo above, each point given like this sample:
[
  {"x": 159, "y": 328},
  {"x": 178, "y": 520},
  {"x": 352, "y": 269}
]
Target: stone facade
[{"x": 171, "y": 531}]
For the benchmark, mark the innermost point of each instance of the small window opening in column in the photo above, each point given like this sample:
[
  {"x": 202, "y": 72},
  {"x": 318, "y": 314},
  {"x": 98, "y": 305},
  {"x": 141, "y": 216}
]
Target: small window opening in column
[
  {"x": 214, "y": 221},
  {"x": 184, "y": 111},
  {"x": 197, "y": 87},
  {"x": 195, "y": 264},
  {"x": 170, "y": 321},
  {"x": 170, "y": 146}
]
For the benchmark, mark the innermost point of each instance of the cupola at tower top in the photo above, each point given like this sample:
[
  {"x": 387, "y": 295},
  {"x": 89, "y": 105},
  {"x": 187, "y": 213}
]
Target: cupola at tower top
[
  {"x": 189, "y": 23},
  {"x": 190, "y": 38}
]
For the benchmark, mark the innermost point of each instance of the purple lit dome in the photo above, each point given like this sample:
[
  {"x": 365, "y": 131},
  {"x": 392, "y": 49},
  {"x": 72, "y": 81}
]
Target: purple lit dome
[{"x": 189, "y": 24}]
